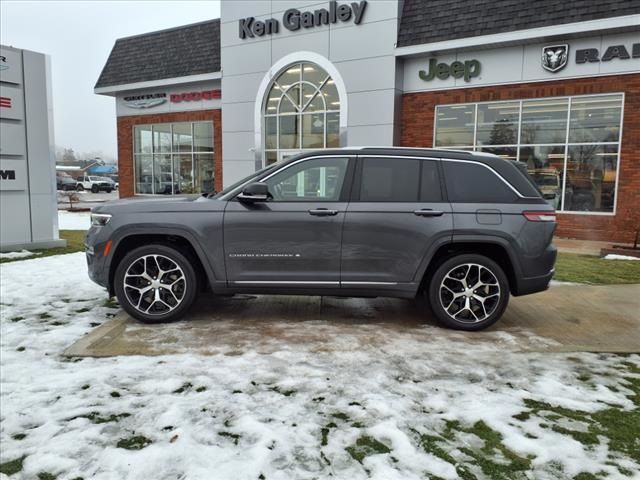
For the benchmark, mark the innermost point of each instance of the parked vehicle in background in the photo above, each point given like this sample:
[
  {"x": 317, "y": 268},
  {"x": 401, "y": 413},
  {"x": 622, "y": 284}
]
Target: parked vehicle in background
[
  {"x": 64, "y": 182},
  {"x": 463, "y": 230},
  {"x": 94, "y": 183},
  {"x": 550, "y": 184}
]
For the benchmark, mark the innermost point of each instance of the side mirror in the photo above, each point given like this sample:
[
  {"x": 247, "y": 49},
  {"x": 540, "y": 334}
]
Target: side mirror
[{"x": 255, "y": 192}]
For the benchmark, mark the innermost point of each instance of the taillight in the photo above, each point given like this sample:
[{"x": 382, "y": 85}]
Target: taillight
[{"x": 540, "y": 216}]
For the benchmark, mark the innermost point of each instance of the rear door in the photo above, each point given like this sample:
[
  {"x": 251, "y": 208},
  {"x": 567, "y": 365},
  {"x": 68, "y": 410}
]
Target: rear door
[{"x": 397, "y": 215}]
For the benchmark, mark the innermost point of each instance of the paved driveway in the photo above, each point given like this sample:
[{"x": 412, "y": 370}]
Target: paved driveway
[{"x": 565, "y": 318}]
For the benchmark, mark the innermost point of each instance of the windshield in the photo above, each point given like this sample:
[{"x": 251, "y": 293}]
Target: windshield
[{"x": 245, "y": 180}]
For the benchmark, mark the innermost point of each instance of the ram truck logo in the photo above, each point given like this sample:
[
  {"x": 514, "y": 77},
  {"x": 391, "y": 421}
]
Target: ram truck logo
[{"x": 554, "y": 57}]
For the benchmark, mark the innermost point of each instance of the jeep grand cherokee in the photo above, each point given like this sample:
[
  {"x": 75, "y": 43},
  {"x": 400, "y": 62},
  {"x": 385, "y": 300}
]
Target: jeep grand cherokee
[{"x": 465, "y": 230}]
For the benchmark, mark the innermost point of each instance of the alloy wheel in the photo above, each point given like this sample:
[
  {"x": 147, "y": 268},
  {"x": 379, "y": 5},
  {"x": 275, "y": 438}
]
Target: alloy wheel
[
  {"x": 154, "y": 284},
  {"x": 469, "y": 293}
]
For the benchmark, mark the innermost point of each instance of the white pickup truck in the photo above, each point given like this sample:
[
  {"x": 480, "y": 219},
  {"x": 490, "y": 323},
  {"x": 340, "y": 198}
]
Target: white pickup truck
[{"x": 95, "y": 184}]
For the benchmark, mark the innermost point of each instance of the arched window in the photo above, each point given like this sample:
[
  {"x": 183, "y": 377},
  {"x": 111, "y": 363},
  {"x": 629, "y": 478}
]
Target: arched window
[{"x": 301, "y": 112}]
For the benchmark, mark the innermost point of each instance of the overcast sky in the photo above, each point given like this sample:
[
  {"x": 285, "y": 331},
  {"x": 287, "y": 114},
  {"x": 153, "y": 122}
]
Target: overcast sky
[{"x": 78, "y": 35}]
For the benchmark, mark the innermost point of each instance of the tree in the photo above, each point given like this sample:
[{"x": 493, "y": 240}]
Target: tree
[
  {"x": 71, "y": 197},
  {"x": 68, "y": 155}
]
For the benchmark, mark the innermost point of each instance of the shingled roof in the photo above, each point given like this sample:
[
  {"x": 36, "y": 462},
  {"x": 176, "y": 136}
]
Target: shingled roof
[
  {"x": 427, "y": 21},
  {"x": 177, "y": 52}
]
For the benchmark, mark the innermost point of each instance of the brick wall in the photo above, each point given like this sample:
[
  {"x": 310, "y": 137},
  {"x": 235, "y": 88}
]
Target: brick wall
[
  {"x": 418, "y": 113},
  {"x": 125, "y": 143}
]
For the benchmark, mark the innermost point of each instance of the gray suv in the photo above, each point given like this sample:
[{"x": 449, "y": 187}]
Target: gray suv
[{"x": 465, "y": 230}]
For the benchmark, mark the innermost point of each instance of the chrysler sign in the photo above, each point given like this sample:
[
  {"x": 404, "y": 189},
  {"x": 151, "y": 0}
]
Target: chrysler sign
[
  {"x": 150, "y": 100},
  {"x": 293, "y": 19}
]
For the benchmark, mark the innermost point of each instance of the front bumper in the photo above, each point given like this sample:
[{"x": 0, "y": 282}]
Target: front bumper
[{"x": 97, "y": 263}]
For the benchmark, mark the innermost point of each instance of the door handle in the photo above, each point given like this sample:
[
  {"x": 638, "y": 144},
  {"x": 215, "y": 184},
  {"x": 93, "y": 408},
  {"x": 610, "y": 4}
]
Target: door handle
[
  {"x": 323, "y": 212},
  {"x": 427, "y": 212}
]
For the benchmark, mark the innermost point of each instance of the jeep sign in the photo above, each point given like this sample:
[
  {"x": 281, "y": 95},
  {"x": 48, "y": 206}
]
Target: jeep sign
[{"x": 467, "y": 70}]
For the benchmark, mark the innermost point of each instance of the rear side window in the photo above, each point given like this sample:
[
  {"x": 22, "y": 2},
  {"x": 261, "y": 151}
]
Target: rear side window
[
  {"x": 473, "y": 183},
  {"x": 399, "y": 180}
]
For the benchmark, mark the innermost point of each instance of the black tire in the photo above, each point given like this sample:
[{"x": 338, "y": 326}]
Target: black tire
[
  {"x": 108, "y": 190},
  {"x": 80, "y": 188},
  {"x": 127, "y": 295},
  {"x": 95, "y": 188},
  {"x": 469, "y": 316}
]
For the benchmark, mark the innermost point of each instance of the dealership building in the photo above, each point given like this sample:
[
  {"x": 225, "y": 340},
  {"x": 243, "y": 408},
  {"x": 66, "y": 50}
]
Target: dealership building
[{"x": 554, "y": 84}]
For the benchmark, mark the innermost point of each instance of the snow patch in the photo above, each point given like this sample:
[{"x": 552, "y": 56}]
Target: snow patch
[
  {"x": 615, "y": 256},
  {"x": 20, "y": 254}
]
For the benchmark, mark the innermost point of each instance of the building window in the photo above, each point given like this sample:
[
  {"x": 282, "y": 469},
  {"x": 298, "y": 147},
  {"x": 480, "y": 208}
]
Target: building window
[
  {"x": 571, "y": 145},
  {"x": 301, "y": 112},
  {"x": 173, "y": 158}
]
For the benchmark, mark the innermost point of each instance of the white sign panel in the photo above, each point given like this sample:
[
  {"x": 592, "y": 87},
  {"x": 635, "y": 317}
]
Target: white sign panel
[
  {"x": 13, "y": 174},
  {"x": 12, "y": 139},
  {"x": 574, "y": 58},
  {"x": 10, "y": 66},
  {"x": 169, "y": 99},
  {"x": 11, "y": 103}
]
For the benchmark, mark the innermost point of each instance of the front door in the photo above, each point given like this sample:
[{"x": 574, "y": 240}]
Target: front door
[
  {"x": 294, "y": 239},
  {"x": 397, "y": 214}
]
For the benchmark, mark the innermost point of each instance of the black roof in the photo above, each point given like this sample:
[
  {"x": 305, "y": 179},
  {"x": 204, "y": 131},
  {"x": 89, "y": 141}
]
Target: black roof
[
  {"x": 176, "y": 52},
  {"x": 427, "y": 21}
]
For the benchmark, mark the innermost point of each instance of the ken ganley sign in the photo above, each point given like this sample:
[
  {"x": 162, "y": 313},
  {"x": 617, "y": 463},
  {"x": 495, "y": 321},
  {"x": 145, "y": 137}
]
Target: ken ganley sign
[{"x": 293, "y": 19}]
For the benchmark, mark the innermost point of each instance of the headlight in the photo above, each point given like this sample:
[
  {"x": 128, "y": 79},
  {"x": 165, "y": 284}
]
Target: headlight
[{"x": 100, "y": 219}]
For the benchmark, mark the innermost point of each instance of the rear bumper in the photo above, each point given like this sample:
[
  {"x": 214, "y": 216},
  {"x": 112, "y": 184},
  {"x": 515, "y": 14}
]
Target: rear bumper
[
  {"x": 530, "y": 285},
  {"x": 538, "y": 283}
]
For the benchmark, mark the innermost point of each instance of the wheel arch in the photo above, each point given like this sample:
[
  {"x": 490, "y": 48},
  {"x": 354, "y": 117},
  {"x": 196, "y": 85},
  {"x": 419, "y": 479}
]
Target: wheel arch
[
  {"x": 497, "y": 249},
  {"x": 180, "y": 240}
]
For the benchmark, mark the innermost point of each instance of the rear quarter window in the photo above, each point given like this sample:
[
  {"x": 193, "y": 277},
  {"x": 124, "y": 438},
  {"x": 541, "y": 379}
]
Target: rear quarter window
[{"x": 475, "y": 183}]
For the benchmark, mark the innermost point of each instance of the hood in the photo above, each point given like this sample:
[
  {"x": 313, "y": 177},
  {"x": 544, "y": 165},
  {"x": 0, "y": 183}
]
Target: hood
[{"x": 145, "y": 204}]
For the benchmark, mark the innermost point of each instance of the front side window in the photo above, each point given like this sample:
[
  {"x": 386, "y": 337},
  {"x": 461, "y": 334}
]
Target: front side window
[
  {"x": 173, "y": 158},
  {"x": 319, "y": 179},
  {"x": 570, "y": 145}
]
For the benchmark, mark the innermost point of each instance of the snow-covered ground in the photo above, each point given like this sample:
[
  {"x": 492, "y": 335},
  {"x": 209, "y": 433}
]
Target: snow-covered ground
[
  {"x": 391, "y": 411},
  {"x": 74, "y": 220}
]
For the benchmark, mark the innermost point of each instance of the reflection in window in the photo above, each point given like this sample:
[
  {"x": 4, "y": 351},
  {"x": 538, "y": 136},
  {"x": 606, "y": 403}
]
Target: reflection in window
[
  {"x": 591, "y": 177},
  {"x": 573, "y": 137},
  {"x": 173, "y": 158},
  {"x": 544, "y": 121},
  {"x": 302, "y": 111},
  {"x": 312, "y": 180},
  {"x": 455, "y": 125},
  {"x": 497, "y": 123}
]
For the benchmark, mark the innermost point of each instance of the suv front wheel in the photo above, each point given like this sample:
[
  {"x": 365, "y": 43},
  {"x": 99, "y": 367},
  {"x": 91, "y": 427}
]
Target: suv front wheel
[
  {"x": 468, "y": 292},
  {"x": 155, "y": 283}
]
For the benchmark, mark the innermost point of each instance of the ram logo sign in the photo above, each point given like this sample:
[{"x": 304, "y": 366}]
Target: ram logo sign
[{"x": 554, "y": 57}]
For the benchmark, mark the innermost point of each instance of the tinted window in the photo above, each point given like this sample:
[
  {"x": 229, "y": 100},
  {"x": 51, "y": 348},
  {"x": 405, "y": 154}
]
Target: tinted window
[
  {"x": 390, "y": 180},
  {"x": 430, "y": 190},
  {"x": 473, "y": 183}
]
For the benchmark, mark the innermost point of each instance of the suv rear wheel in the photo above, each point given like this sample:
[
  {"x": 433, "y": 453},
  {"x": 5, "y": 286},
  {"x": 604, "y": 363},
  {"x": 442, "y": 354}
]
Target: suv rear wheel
[
  {"x": 155, "y": 283},
  {"x": 468, "y": 292}
]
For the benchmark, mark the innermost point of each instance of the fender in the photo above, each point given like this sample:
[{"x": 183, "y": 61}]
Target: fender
[
  {"x": 464, "y": 239},
  {"x": 445, "y": 238},
  {"x": 140, "y": 229}
]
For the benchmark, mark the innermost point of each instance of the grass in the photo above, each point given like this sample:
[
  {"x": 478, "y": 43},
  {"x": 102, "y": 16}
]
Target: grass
[
  {"x": 571, "y": 267},
  {"x": 366, "y": 446},
  {"x": 75, "y": 243},
  {"x": 137, "y": 442},
  {"x": 12, "y": 466}
]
